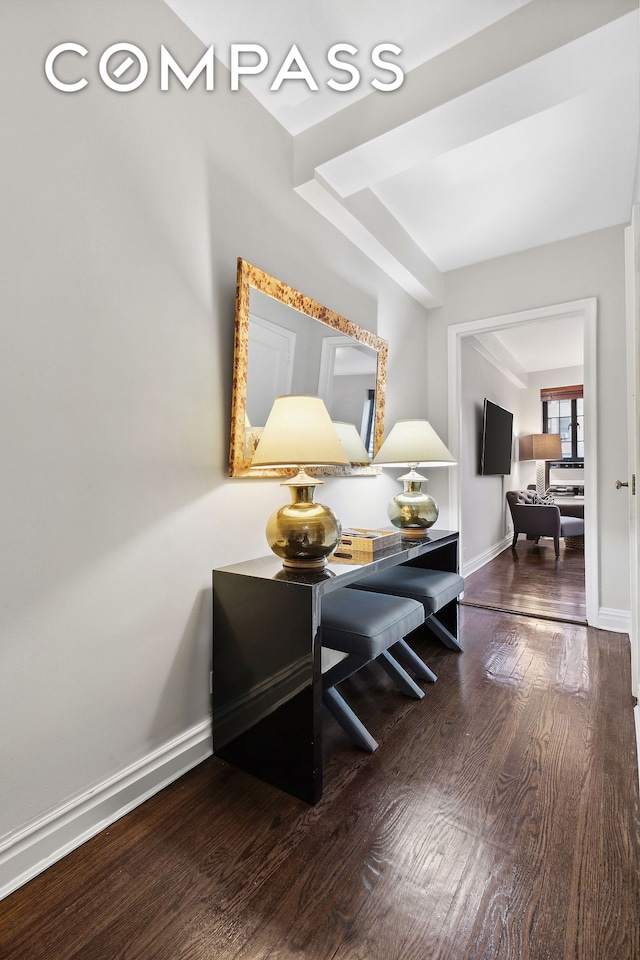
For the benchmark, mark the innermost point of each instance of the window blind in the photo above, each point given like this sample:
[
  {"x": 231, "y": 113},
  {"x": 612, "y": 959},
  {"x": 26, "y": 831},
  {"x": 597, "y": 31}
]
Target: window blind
[{"x": 562, "y": 393}]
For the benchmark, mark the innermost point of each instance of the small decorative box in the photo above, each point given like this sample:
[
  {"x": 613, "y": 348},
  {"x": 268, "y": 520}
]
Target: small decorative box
[{"x": 360, "y": 544}]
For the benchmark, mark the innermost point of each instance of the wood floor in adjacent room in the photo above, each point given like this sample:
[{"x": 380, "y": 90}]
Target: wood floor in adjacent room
[
  {"x": 530, "y": 580},
  {"x": 497, "y": 820}
]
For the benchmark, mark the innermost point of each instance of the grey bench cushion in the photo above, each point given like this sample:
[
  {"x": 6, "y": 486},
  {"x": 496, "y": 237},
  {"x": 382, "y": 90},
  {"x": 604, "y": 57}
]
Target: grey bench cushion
[
  {"x": 367, "y": 624},
  {"x": 571, "y": 527},
  {"x": 433, "y": 588}
]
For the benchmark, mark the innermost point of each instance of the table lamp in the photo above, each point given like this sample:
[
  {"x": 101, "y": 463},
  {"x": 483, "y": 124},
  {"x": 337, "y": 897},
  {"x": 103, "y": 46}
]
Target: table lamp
[
  {"x": 299, "y": 432},
  {"x": 540, "y": 447},
  {"x": 352, "y": 442},
  {"x": 409, "y": 443}
]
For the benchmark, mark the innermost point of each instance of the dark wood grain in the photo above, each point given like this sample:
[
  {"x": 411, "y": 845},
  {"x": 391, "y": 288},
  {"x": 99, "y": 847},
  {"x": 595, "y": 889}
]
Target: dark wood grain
[
  {"x": 498, "y": 820},
  {"x": 529, "y": 580}
]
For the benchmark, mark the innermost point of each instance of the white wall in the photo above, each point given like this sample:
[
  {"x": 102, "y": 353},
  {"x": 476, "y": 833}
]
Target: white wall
[
  {"x": 591, "y": 265},
  {"x": 123, "y": 216},
  {"x": 484, "y": 510}
]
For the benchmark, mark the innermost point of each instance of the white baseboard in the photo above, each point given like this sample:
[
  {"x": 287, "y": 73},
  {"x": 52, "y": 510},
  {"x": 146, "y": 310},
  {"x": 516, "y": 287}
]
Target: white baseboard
[
  {"x": 27, "y": 852},
  {"x": 470, "y": 566},
  {"x": 618, "y": 621}
]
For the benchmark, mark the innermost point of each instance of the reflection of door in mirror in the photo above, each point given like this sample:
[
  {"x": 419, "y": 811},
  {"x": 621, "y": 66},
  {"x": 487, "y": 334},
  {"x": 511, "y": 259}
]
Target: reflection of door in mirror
[
  {"x": 270, "y": 370},
  {"x": 287, "y": 343},
  {"x": 269, "y": 374},
  {"x": 347, "y": 383}
]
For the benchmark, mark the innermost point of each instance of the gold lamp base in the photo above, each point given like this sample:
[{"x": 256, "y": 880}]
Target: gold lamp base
[
  {"x": 303, "y": 533},
  {"x": 413, "y": 511}
]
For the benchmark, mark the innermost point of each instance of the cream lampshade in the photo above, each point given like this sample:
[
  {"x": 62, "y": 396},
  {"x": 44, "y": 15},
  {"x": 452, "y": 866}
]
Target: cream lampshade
[
  {"x": 409, "y": 443},
  {"x": 540, "y": 447},
  {"x": 299, "y": 432},
  {"x": 352, "y": 442}
]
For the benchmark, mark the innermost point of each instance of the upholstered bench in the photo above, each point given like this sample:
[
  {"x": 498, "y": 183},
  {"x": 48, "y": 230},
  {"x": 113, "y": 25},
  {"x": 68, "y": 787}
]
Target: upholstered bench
[
  {"x": 434, "y": 589},
  {"x": 363, "y": 627}
]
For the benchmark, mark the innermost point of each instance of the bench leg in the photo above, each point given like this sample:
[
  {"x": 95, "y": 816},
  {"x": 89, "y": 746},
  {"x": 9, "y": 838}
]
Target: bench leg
[
  {"x": 403, "y": 651},
  {"x": 442, "y": 633},
  {"x": 343, "y": 669},
  {"x": 399, "y": 675},
  {"x": 352, "y": 726}
]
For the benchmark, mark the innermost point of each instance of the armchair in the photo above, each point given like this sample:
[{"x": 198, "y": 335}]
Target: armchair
[{"x": 537, "y": 520}]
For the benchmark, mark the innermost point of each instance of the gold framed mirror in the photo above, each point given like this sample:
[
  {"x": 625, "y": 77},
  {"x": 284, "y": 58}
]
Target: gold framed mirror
[{"x": 285, "y": 342}]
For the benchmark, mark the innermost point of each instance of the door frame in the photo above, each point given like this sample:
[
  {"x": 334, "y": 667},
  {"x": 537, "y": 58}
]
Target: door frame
[
  {"x": 632, "y": 277},
  {"x": 586, "y": 309}
]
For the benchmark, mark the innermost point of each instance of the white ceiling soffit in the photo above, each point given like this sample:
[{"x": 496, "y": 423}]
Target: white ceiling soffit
[
  {"x": 422, "y": 28},
  {"x": 516, "y": 124},
  {"x": 526, "y": 348}
]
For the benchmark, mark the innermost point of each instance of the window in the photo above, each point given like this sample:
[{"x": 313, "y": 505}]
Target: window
[{"x": 563, "y": 413}]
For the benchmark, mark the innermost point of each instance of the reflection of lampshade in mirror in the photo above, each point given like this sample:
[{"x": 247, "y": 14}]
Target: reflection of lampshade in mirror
[
  {"x": 409, "y": 443},
  {"x": 252, "y": 439},
  {"x": 540, "y": 447},
  {"x": 299, "y": 432},
  {"x": 352, "y": 442}
]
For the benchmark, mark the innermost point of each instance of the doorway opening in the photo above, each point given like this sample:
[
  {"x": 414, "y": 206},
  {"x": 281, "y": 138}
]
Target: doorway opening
[{"x": 586, "y": 310}]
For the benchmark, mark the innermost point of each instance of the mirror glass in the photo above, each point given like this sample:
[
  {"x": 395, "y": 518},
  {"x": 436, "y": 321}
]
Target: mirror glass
[{"x": 287, "y": 343}]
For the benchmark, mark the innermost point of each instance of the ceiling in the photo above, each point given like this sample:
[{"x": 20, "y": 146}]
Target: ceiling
[
  {"x": 553, "y": 344},
  {"x": 516, "y": 124}
]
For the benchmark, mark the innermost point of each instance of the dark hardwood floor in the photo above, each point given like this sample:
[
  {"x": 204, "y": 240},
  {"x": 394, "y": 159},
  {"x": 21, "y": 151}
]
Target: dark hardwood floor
[
  {"x": 497, "y": 820},
  {"x": 531, "y": 581}
]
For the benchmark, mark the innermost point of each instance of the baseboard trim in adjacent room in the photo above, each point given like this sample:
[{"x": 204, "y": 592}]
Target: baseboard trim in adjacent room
[
  {"x": 470, "y": 566},
  {"x": 636, "y": 714},
  {"x": 618, "y": 621},
  {"x": 29, "y": 851}
]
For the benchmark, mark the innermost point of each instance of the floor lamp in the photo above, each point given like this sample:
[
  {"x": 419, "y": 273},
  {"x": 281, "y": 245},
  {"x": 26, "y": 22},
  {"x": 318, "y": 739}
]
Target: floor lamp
[{"x": 540, "y": 447}]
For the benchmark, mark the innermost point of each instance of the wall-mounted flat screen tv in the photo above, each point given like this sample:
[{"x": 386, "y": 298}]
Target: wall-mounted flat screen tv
[{"x": 497, "y": 440}]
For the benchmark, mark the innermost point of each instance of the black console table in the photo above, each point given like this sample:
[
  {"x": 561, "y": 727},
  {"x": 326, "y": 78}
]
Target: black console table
[{"x": 267, "y": 691}]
